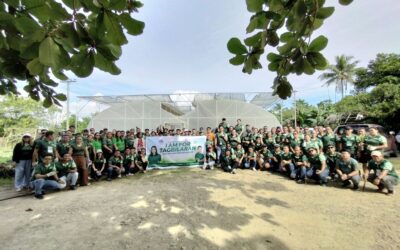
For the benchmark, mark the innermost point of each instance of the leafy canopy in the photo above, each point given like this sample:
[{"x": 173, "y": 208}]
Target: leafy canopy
[
  {"x": 287, "y": 25},
  {"x": 42, "y": 39}
]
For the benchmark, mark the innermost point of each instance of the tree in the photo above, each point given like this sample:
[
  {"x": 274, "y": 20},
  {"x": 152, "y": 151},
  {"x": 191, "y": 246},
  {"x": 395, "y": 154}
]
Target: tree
[
  {"x": 384, "y": 69},
  {"x": 41, "y": 39},
  {"x": 297, "y": 52},
  {"x": 341, "y": 74},
  {"x": 82, "y": 123},
  {"x": 19, "y": 114}
]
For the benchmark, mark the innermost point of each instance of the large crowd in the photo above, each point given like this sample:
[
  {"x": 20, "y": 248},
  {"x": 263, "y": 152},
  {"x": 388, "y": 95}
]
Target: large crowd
[{"x": 71, "y": 159}]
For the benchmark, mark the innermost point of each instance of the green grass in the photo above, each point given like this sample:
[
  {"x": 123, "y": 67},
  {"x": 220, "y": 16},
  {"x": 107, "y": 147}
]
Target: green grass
[
  {"x": 6, "y": 181},
  {"x": 5, "y": 155}
]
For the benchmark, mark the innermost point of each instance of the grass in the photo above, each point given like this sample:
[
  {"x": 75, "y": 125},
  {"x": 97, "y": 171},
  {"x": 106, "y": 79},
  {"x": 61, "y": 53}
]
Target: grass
[
  {"x": 6, "y": 181},
  {"x": 5, "y": 155}
]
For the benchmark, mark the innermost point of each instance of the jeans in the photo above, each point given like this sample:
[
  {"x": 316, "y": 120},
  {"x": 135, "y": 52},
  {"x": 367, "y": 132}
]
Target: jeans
[
  {"x": 387, "y": 182},
  {"x": 23, "y": 173},
  {"x": 294, "y": 172},
  {"x": 311, "y": 173},
  {"x": 69, "y": 179},
  {"x": 220, "y": 153},
  {"x": 355, "y": 179},
  {"x": 40, "y": 184}
]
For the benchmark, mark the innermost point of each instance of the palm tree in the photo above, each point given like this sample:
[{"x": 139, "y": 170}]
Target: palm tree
[{"x": 341, "y": 74}]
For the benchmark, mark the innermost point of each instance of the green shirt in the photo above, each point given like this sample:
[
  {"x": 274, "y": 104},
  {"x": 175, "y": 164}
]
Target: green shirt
[
  {"x": 211, "y": 156},
  {"x": 277, "y": 155},
  {"x": 108, "y": 142},
  {"x": 374, "y": 141},
  {"x": 347, "y": 166},
  {"x": 129, "y": 159},
  {"x": 63, "y": 148},
  {"x": 199, "y": 157},
  {"x": 98, "y": 163},
  {"x": 96, "y": 145},
  {"x": 115, "y": 161},
  {"x": 266, "y": 155},
  {"x": 286, "y": 157},
  {"x": 64, "y": 167},
  {"x": 42, "y": 169},
  {"x": 328, "y": 139},
  {"x": 129, "y": 142},
  {"x": 383, "y": 165},
  {"x": 238, "y": 153},
  {"x": 120, "y": 144},
  {"x": 221, "y": 139},
  {"x": 78, "y": 150},
  {"x": 316, "y": 161},
  {"x": 45, "y": 147},
  {"x": 239, "y": 128},
  {"x": 296, "y": 159},
  {"x": 154, "y": 159},
  {"x": 234, "y": 140},
  {"x": 295, "y": 142},
  {"x": 349, "y": 143}
]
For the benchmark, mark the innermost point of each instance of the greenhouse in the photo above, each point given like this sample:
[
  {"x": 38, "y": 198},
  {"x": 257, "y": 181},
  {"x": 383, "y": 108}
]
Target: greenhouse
[{"x": 183, "y": 110}]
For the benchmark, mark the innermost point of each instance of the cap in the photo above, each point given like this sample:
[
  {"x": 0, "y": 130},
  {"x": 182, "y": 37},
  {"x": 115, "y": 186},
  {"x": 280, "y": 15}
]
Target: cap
[
  {"x": 277, "y": 146},
  {"x": 27, "y": 135},
  {"x": 347, "y": 127},
  {"x": 376, "y": 153},
  {"x": 311, "y": 148},
  {"x": 99, "y": 151}
]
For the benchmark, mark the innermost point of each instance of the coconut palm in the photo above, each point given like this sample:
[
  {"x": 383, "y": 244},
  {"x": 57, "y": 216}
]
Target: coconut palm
[{"x": 342, "y": 73}]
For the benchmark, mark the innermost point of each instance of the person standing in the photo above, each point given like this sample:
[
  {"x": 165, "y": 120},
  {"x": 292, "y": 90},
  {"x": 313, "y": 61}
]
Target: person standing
[
  {"x": 44, "y": 147},
  {"x": 79, "y": 153},
  {"x": 348, "y": 141},
  {"x": 22, "y": 156}
]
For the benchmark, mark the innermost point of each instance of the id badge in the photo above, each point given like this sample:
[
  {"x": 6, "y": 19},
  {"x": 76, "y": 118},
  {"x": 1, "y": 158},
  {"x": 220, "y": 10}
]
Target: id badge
[{"x": 50, "y": 149}]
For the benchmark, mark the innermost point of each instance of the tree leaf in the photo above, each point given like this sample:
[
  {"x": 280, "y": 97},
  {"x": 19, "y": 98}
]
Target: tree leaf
[
  {"x": 272, "y": 57},
  {"x": 35, "y": 67},
  {"x": 114, "y": 31},
  {"x": 82, "y": 63},
  {"x": 345, "y": 2},
  {"x": 52, "y": 55},
  {"x": 237, "y": 60},
  {"x": 61, "y": 97},
  {"x": 106, "y": 65},
  {"x": 254, "y": 5},
  {"x": 318, "y": 44},
  {"x": 325, "y": 12},
  {"x": 235, "y": 46},
  {"x": 133, "y": 26},
  {"x": 47, "y": 102},
  {"x": 253, "y": 40}
]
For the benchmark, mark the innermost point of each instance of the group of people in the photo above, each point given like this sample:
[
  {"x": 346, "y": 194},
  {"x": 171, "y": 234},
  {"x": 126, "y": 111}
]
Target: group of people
[{"x": 301, "y": 154}]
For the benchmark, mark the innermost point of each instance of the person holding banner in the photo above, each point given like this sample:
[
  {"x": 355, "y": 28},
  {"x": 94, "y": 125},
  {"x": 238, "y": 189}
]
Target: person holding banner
[
  {"x": 228, "y": 162},
  {"x": 141, "y": 161},
  {"x": 154, "y": 158}
]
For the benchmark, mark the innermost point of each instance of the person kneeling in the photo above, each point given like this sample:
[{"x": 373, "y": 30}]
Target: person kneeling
[
  {"x": 211, "y": 156},
  {"x": 347, "y": 169},
  {"x": 228, "y": 163},
  {"x": 115, "y": 166},
  {"x": 250, "y": 159},
  {"x": 384, "y": 175},
  {"x": 315, "y": 167},
  {"x": 67, "y": 171},
  {"x": 45, "y": 177}
]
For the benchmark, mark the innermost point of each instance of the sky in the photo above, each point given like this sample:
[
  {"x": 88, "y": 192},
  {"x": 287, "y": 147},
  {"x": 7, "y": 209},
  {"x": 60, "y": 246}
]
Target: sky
[{"x": 183, "y": 48}]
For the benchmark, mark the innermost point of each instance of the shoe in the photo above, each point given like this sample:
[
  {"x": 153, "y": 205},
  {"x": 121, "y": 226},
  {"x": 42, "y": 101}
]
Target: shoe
[
  {"x": 322, "y": 184},
  {"x": 301, "y": 181},
  {"x": 233, "y": 171},
  {"x": 18, "y": 189},
  {"x": 109, "y": 179},
  {"x": 390, "y": 193},
  {"x": 72, "y": 187},
  {"x": 355, "y": 187},
  {"x": 212, "y": 167},
  {"x": 254, "y": 169},
  {"x": 38, "y": 196},
  {"x": 119, "y": 176},
  {"x": 346, "y": 184}
]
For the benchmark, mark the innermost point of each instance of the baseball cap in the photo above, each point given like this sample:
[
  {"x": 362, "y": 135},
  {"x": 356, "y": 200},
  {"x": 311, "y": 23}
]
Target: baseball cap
[
  {"x": 27, "y": 135},
  {"x": 99, "y": 151},
  {"x": 376, "y": 153},
  {"x": 348, "y": 128},
  {"x": 311, "y": 148}
]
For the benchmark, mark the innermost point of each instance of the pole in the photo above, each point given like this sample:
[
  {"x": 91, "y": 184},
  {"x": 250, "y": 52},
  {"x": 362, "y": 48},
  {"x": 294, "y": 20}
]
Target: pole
[
  {"x": 295, "y": 109},
  {"x": 68, "y": 82},
  {"x": 281, "y": 113}
]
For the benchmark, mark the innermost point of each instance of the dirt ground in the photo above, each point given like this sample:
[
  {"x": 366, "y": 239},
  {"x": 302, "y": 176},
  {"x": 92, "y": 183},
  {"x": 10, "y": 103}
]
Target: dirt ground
[{"x": 195, "y": 209}]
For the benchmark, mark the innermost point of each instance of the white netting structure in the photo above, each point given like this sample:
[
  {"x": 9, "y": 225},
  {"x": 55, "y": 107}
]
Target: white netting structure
[{"x": 183, "y": 110}]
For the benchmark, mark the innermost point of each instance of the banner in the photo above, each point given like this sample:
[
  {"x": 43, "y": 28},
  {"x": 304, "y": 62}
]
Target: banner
[{"x": 174, "y": 151}]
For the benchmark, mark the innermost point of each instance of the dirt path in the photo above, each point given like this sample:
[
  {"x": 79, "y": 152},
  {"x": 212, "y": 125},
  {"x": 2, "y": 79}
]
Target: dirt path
[{"x": 193, "y": 209}]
